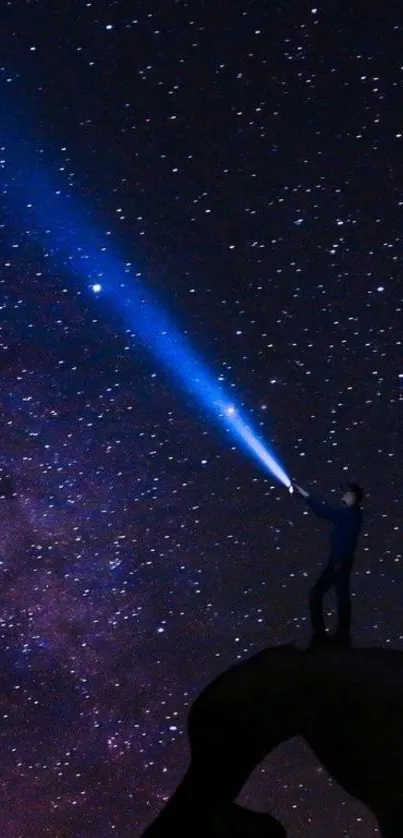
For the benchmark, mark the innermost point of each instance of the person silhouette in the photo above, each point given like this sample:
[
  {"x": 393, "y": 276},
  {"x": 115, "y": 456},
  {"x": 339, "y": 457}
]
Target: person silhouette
[{"x": 347, "y": 523}]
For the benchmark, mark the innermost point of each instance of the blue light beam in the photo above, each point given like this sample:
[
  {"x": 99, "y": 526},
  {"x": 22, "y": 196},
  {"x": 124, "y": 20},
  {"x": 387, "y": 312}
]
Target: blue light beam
[{"x": 55, "y": 219}]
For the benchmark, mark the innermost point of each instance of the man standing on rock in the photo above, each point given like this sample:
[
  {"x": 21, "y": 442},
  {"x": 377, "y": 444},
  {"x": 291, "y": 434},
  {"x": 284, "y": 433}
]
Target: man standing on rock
[{"x": 347, "y": 523}]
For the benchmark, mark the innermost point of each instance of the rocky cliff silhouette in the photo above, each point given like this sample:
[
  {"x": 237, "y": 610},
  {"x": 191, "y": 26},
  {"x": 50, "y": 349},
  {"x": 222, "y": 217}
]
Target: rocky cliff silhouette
[{"x": 346, "y": 703}]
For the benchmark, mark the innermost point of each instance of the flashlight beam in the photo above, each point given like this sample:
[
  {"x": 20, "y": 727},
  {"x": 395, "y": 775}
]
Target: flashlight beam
[{"x": 73, "y": 243}]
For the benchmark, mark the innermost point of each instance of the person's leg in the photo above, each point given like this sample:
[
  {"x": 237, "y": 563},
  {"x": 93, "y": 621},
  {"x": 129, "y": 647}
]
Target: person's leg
[
  {"x": 342, "y": 586},
  {"x": 319, "y": 589}
]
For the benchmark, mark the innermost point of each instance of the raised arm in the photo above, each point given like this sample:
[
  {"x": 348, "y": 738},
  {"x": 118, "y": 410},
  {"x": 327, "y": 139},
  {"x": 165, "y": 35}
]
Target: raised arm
[{"x": 321, "y": 509}]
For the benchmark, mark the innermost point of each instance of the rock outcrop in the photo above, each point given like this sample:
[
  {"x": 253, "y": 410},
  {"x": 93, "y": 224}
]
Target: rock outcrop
[{"x": 346, "y": 703}]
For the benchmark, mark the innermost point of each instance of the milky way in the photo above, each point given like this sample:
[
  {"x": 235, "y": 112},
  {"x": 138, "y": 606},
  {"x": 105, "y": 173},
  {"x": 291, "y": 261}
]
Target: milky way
[{"x": 244, "y": 164}]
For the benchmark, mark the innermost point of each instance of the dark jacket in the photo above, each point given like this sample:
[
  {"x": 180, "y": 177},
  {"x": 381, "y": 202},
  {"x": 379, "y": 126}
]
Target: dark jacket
[{"x": 347, "y": 523}]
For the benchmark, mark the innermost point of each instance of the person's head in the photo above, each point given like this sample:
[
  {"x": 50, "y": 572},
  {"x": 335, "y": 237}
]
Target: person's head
[{"x": 352, "y": 494}]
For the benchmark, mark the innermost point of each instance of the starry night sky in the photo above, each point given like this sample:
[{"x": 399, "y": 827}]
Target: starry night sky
[{"x": 243, "y": 160}]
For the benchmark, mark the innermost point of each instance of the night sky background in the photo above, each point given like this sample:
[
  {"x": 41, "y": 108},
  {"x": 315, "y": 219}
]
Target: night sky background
[{"x": 243, "y": 161}]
